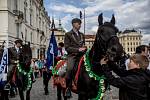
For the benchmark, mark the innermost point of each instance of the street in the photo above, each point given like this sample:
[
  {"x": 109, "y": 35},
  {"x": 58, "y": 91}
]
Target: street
[{"x": 37, "y": 92}]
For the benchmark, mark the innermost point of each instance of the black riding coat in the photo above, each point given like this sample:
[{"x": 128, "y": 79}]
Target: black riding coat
[{"x": 133, "y": 86}]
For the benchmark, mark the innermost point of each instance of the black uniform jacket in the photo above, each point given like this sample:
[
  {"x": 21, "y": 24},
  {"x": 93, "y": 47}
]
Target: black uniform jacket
[
  {"x": 133, "y": 84},
  {"x": 73, "y": 42}
]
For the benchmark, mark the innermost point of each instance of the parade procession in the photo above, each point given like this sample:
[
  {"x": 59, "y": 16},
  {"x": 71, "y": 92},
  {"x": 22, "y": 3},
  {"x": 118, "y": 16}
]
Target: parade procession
[{"x": 74, "y": 50}]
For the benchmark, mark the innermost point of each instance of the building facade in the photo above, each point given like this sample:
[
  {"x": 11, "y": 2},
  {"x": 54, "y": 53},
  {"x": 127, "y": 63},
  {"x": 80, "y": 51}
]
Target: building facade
[
  {"x": 89, "y": 40},
  {"x": 130, "y": 39},
  {"x": 26, "y": 20}
]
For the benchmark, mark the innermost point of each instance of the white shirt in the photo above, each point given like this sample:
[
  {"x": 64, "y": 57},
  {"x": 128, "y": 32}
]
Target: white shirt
[
  {"x": 17, "y": 49},
  {"x": 126, "y": 63}
]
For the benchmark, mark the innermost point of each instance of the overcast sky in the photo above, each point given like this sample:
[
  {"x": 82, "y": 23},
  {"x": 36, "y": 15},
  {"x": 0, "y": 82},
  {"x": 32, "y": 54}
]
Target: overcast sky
[{"x": 129, "y": 14}]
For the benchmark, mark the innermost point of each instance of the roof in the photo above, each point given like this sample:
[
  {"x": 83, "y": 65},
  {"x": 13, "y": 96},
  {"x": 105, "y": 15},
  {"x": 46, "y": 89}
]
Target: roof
[
  {"x": 129, "y": 31},
  {"x": 89, "y": 36}
]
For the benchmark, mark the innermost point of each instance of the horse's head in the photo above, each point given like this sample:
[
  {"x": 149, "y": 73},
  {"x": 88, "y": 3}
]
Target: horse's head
[
  {"x": 107, "y": 42},
  {"x": 26, "y": 54}
]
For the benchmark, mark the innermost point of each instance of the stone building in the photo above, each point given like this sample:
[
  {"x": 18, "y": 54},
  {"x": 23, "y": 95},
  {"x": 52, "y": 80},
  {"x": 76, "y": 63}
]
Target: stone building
[
  {"x": 26, "y": 20},
  {"x": 130, "y": 39},
  {"x": 89, "y": 40}
]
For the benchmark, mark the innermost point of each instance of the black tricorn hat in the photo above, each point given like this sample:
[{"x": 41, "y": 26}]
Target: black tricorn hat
[
  {"x": 76, "y": 20},
  {"x": 18, "y": 41}
]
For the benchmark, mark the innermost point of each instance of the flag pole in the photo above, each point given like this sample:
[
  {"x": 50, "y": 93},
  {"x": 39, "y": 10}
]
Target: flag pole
[
  {"x": 53, "y": 48},
  {"x": 84, "y": 21}
]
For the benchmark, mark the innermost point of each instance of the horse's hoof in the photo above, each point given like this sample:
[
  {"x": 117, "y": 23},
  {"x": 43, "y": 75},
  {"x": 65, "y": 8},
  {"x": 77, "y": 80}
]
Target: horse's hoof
[
  {"x": 33, "y": 81},
  {"x": 68, "y": 93},
  {"x": 7, "y": 87}
]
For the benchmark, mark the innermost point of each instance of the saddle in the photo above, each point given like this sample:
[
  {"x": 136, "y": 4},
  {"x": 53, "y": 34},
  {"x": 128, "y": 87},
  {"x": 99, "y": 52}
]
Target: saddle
[{"x": 59, "y": 75}]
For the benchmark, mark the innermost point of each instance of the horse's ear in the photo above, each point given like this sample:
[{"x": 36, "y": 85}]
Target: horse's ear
[
  {"x": 113, "y": 19},
  {"x": 100, "y": 19}
]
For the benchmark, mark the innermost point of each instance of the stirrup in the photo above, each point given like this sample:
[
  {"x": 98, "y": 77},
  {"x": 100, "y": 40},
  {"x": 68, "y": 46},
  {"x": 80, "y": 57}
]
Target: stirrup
[
  {"x": 7, "y": 86},
  {"x": 68, "y": 93}
]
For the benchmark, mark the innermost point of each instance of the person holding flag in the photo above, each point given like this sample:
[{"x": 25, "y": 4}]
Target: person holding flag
[{"x": 52, "y": 53}]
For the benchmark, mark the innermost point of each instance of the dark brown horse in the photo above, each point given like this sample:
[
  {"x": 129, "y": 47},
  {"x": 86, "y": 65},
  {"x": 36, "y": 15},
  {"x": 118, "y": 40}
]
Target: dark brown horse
[
  {"x": 24, "y": 72},
  {"x": 91, "y": 83}
]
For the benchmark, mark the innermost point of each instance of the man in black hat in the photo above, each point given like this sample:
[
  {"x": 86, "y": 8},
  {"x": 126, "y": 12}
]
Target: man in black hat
[
  {"x": 74, "y": 44},
  {"x": 14, "y": 53}
]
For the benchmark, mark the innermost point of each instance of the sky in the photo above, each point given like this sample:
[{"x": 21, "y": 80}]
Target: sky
[{"x": 129, "y": 14}]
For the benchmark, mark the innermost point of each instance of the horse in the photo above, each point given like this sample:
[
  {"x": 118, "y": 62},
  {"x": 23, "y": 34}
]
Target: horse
[
  {"x": 24, "y": 73},
  {"x": 90, "y": 81}
]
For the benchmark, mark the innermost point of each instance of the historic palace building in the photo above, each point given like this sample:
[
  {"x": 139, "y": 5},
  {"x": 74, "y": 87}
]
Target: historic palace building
[
  {"x": 130, "y": 39},
  {"x": 26, "y": 20}
]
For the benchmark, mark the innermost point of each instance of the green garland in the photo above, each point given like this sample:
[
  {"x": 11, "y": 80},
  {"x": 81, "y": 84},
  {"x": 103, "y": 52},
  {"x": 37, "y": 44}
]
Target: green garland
[
  {"x": 91, "y": 74},
  {"x": 96, "y": 77},
  {"x": 29, "y": 84}
]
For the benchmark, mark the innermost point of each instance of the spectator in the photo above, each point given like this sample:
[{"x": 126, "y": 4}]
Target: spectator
[
  {"x": 133, "y": 86},
  {"x": 143, "y": 50}
]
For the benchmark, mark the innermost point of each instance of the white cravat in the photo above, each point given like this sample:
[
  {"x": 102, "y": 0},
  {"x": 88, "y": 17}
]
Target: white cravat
[
  {"x": 77, "y": 33},
  {"x": 17, "y": 49}
]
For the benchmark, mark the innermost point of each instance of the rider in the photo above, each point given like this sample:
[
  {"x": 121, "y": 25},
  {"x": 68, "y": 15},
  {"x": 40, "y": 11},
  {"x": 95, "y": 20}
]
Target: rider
[
  {"x": 74, "y": 44},
  {"x": 14, "y": 53}
]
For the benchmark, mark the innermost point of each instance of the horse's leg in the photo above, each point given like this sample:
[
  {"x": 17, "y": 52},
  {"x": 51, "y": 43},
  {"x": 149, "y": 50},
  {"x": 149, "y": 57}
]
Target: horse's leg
[
  {"x": 82, "y": 97},
  {"x": 4, "y": 95},
  {"x": 45, "y": 82},
  {"x": 59, "y": 92},
  {"x": 21, "y": 93},
  {"x": 20, "y": 87},
  {"x": 65, "y": 98},
  {"x": 28, "y": 94}
]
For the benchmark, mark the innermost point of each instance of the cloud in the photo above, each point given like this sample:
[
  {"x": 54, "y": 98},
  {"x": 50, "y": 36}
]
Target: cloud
[
  {"x": 145, "y": 39},
  {"x": 129, "y": 13},
  {"x": 65, "y": 8}
]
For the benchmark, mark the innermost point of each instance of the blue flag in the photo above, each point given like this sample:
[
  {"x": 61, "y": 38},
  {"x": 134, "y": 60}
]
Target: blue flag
[
  {"x": 3, "y": 68},
  {"x": 52, "y": 51}
]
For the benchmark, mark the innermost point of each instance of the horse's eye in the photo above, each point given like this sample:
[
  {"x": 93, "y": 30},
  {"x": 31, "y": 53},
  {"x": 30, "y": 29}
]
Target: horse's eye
[{"x": 101, "y": 31}]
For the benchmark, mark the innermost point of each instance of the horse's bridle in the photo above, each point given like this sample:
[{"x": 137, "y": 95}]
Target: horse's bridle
[{"x": 104, "y": 43}]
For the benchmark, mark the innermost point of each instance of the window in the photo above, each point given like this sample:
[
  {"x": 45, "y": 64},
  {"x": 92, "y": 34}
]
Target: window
[
  {"x": 25, "y": 16},
  {"x": 128, "y": 49},
  {"x": 40, "y": 23},
  {"x": 25, "y": 35},
  {"x": 30, "y": 19},
  {"x": 31, "y": 36},
  {"x": 30, "y": 3},
  {"x": 15, "y": 5}
]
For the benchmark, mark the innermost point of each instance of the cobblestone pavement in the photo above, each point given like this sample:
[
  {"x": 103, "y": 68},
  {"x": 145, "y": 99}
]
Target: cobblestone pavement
[{"x": 37, "y": 93}]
